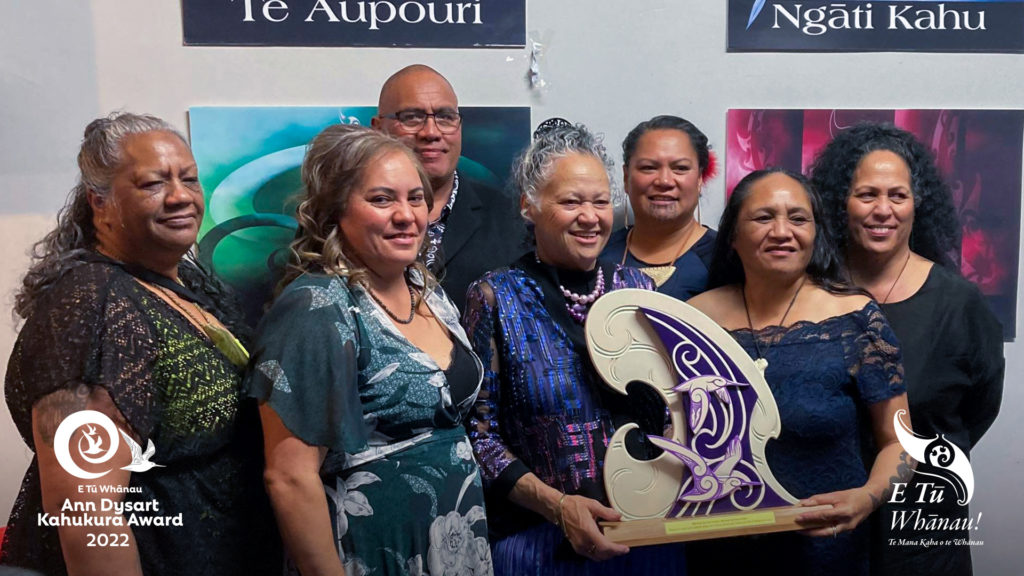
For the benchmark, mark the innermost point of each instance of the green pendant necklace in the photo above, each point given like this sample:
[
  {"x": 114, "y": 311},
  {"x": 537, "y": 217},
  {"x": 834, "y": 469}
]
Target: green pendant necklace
[{"x": 221, "y": 337}]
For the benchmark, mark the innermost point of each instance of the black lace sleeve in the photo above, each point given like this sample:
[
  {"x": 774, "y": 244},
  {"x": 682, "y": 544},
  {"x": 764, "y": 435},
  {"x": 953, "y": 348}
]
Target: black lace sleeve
[
  {"x": 86, "y": 329},
  {"x": 873, "y": 355},
  {"x": 226, "y": 306}
]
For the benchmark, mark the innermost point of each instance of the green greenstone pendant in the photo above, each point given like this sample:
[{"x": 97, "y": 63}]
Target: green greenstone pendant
[{"x": 228, "y": 345}]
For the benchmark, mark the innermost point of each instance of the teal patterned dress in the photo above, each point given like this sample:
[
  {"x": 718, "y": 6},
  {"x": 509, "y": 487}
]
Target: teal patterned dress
[{"x": 402, "y": 487}]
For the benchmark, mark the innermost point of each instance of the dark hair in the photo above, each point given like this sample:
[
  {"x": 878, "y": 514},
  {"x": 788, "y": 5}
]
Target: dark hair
[
  {"x": 666, "y": 122},
  {"x": 824, "y": 267},
  {"x": 936, "y": 231}
]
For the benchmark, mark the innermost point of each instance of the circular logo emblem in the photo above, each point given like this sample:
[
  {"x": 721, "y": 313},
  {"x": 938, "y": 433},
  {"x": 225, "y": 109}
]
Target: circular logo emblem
[{"x": 92, "y": 447}]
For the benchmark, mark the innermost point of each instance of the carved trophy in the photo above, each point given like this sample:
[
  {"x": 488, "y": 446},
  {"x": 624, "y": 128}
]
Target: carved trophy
[{"x": 712, "y": 479}]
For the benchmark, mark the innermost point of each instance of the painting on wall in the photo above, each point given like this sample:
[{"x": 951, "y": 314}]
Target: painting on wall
[
  {"x": 249, "y": 162},
  {"x": 979, "y": 152}
]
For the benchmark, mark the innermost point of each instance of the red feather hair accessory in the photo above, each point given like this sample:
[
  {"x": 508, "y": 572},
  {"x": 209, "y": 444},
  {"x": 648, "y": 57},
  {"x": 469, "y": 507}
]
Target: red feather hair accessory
[{"x": 711, "y": 170}]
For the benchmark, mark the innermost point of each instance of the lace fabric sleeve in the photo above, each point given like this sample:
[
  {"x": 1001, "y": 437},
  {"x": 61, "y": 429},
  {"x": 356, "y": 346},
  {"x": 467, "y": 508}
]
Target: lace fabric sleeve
[
  {"x": 873, "y": 355},
  {"x": 86, "y": 330},
  {"x": 499, "y": 468},
  {"x": 305, "y": 365}
]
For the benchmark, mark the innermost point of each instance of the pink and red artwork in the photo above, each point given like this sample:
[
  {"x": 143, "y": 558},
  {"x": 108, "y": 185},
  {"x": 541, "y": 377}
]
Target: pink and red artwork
[{"x": 979, "y": 152}]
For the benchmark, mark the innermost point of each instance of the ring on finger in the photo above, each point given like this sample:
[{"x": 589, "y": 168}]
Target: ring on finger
[{"x": 835, "y": 531}]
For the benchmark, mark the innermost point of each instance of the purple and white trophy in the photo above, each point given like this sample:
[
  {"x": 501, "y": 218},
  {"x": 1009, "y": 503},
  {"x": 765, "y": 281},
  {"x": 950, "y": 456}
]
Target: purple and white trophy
[{"x": 712, "y": 480}]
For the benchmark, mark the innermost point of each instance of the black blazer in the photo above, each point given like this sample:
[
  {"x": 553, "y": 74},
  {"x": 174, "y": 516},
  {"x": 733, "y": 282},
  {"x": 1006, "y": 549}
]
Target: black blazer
[{"x": 484, "y": 232}]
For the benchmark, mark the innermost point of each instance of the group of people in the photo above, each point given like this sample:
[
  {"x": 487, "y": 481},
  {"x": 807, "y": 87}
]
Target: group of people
[{"x": 419, "y": 399}]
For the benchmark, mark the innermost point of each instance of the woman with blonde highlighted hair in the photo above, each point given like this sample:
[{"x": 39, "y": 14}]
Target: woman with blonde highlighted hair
[{"x": 364, "y": 377}]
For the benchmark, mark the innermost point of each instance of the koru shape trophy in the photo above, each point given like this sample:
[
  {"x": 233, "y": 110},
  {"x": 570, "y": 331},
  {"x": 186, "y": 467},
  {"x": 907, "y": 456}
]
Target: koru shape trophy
[{"x": 712, "y": 480}]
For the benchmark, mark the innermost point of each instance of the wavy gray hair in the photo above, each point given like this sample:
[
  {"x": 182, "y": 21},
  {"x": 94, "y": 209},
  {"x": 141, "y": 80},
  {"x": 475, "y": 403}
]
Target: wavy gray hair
[
  {"x": 533, "y": 167},
  {"x": 99, "y": 158}
]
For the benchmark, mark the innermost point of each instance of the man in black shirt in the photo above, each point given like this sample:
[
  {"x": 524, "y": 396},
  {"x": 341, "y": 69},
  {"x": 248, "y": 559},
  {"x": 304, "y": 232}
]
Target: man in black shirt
[{"x": 473, "y": 227}]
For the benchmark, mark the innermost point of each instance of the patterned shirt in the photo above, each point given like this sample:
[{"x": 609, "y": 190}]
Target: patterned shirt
[{"x": 435, "y": 231}]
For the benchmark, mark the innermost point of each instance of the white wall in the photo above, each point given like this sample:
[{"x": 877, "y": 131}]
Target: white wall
[{"x": 608, "y": 64}]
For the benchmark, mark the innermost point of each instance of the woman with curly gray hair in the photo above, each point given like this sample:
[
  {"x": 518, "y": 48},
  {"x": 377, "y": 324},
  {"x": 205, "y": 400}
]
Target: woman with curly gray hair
[
  {"x": 543, "y": 418},
  {"x": 364, "y": 377},
  {"x": 898, "y": 231},
  {"x": 127, "y": 345}
]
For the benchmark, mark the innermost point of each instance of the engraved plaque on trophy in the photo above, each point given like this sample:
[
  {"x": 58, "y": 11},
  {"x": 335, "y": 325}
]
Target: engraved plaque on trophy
[{"x": 712, "y": 479}]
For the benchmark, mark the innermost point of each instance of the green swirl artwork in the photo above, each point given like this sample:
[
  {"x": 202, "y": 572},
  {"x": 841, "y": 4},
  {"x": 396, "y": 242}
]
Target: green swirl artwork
[{"x": 249, "y": 161}]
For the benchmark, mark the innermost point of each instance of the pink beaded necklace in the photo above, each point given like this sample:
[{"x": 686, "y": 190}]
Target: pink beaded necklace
[{"x": 578, "y": 304}]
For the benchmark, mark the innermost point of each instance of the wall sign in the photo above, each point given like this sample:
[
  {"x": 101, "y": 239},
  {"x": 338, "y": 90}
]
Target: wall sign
[
  {"x": 413, "y": 23},
  {"x": 876, "y": 26}
]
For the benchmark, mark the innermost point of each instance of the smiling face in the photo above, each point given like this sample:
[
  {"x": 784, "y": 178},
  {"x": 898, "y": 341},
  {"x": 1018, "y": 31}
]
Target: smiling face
[
  {"x": 386, "y": 216},
  {"x": 152, "y": 213},
  {"x": 775, "y": 228},
  {"x": 573, "y": 215},
  {"x": 426, "y": 91},
  {"x": 663, "y": 177},
  {"x": 880, "y": 207}
]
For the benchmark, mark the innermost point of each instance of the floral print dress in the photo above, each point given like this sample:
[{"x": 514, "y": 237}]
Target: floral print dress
[{"x": 402, "y": 487}]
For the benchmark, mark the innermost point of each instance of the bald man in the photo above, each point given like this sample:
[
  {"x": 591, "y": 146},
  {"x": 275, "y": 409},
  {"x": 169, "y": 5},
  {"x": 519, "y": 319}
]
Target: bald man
[{"x": 473, "y": 227}]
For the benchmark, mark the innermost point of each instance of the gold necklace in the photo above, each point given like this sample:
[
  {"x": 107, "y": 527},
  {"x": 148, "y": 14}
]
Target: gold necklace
[
  {"x": 221, "y": 337},
  {"x": 762, "y": 357},
  {"x": 660, "y": 274}
]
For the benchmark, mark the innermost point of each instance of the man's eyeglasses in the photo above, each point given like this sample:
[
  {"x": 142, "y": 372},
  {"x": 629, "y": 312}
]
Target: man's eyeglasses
[{"x": 447, "y": 121}]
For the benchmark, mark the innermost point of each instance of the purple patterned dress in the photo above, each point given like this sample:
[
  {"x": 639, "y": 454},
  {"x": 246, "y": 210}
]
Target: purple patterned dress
[{"x": 543, "y": 409}]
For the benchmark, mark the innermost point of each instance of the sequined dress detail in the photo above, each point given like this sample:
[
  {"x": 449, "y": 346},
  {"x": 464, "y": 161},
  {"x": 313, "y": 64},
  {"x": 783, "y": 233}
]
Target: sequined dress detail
[{"x": 543, "y": 409}]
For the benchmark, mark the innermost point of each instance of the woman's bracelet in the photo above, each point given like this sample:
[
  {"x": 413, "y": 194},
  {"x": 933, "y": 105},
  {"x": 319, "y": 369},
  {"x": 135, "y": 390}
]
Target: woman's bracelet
[{"x": 558, "y": 513}]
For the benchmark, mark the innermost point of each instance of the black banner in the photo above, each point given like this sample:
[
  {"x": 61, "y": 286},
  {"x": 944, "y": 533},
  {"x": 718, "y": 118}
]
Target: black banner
[
  {"x": 413, "y": 23},
  {"x": 876, "y": 26}
]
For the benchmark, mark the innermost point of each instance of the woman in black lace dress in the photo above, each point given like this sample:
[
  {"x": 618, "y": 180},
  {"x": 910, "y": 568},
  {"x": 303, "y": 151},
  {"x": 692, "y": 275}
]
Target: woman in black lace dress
[{"x": 125, "y": 380}]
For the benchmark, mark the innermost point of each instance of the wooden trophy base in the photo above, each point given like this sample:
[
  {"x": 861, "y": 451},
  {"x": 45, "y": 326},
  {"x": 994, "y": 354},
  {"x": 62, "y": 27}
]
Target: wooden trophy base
[{"x": 666, "y": 530}]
